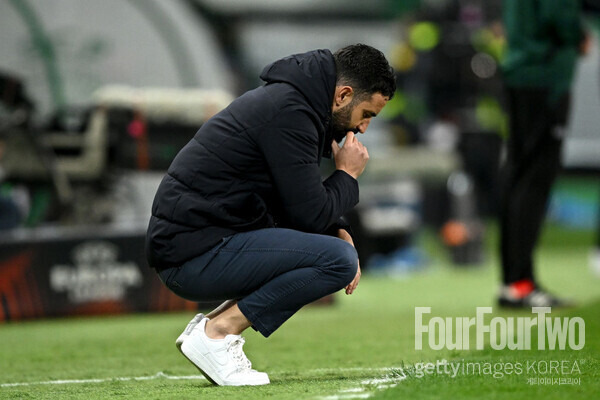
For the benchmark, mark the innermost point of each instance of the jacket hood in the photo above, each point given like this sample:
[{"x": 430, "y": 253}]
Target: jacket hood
[{"x": 313, "y": 74}]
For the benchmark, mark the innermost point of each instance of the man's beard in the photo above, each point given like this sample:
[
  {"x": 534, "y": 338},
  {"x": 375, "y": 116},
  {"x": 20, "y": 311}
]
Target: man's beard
[{"x": 340, "y": 122}]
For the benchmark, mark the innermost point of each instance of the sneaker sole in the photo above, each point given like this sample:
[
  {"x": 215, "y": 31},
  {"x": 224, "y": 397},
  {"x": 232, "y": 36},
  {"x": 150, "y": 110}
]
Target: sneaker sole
[
  {"x": 195, "y": 360},
  {"x": 194, "y": 363},
  {"x": 510, "y": 304}
]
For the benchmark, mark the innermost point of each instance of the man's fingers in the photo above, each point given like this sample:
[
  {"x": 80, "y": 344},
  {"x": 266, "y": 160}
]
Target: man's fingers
[
  {"x": 352, "y": 156},
  {"x": 352, "y": 286},
  {"x": 335, "y": 147},
  {"x": 349, "y": 137}
]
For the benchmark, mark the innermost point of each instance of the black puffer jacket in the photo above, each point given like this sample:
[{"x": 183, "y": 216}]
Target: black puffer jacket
[{"x": 255, "y": 165}]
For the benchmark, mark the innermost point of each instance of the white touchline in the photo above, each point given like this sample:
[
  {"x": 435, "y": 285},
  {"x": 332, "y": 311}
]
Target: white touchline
[
  {"x": 352, "y": 390},
  {"x": 158, "y": 375},
  {"x": 376, "y": 384},
  {"x": 162, "y": 375},
  {"x": 358, "y": 369},
  {"x": 346, "y": 396}
]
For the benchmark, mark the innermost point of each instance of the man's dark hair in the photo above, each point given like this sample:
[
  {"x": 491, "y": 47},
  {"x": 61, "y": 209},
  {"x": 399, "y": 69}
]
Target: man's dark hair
[{"x": 366, "y": 70}]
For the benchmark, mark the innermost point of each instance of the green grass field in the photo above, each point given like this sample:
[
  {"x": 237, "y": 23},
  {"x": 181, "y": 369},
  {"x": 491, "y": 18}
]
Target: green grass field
[{"x": 354, "y": 349}]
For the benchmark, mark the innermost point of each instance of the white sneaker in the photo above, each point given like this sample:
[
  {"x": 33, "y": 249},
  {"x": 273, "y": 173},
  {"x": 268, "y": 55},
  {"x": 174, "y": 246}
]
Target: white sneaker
[
  {"x": 188, "y": 329},
  {"x": 222, "y": 361}
]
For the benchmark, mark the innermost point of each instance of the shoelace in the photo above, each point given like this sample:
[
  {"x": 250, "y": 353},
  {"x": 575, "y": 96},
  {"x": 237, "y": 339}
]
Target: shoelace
[{"x": 237, "y": 353}]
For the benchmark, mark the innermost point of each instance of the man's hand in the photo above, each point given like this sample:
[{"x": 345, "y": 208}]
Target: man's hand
[
  {"x": 350, "y": 288},
  {"x": 342, "y": 234},
  {"x": 352, "y": 157},
  {"x": 586, "y": 45}
]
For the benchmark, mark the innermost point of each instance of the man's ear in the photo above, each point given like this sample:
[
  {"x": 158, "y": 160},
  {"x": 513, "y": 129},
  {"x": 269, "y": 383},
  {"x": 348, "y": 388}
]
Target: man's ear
[{"x": 343, "y": 96}]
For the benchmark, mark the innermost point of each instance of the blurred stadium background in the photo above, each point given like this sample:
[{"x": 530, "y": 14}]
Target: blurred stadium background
[{"x": 97, "y": 97}]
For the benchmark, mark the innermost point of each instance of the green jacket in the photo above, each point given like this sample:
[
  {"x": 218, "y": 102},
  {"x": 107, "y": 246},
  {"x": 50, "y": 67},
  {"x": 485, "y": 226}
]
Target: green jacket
[{"x": 543, "y": 43}]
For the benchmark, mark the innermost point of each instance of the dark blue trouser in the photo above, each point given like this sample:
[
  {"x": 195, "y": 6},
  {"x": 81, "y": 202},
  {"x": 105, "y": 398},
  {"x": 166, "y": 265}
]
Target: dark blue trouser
[{"x": 273, "y": 272}]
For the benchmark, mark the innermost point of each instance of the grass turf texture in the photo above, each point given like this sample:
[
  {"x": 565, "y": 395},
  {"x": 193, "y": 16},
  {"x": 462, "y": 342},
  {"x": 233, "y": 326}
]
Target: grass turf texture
[{"x": 320, "y": 352}]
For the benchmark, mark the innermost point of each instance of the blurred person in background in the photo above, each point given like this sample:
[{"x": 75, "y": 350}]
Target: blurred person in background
[
  {"x": 592, "y": 9},
  {"x": 544, "y": 40},
  {"x": 243, "y": 212},
  {"x": 15, "y": 113},
  {"x": 10, "y": 215}
]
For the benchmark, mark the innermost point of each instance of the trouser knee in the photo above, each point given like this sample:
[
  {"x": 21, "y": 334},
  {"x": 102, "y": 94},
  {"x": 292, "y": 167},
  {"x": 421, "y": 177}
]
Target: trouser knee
[{"x": 346, "y": 263}]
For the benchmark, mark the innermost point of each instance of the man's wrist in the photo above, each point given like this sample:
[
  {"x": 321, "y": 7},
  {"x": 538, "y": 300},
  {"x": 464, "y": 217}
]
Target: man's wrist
[
  {"x": 348, "y": 172},
  {"x": 345, "y": 235}
]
